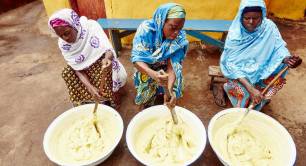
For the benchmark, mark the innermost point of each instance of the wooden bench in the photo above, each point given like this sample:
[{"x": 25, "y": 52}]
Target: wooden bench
[
  {"x": 120, "y": 28},
  {"x": 216, "y": 76}
]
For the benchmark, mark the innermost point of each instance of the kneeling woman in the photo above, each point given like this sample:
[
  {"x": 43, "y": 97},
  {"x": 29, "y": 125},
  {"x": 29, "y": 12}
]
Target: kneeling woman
[
  {"x": 159, "y": 45},
  {"x": 93, "y": 71},
  {"x": 254, "y": 53}
]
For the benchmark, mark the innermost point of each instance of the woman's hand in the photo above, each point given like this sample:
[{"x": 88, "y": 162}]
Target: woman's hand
[
  {"x": 161, "y": 78},
  {"x": 292, "y": 61},
  {"x": 170, "y": 101},
  {"x": 107, "y": 60},
  {"x": 256, "y": 96},
  {"x": 109, "y": 55},
  {"x": 106, "y": 63}
]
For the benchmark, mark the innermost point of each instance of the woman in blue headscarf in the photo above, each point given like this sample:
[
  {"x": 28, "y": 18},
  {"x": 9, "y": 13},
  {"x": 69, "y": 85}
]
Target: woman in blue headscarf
[
  {"x": 159, "y": 47},
  {"x": 254, "y": 53}
]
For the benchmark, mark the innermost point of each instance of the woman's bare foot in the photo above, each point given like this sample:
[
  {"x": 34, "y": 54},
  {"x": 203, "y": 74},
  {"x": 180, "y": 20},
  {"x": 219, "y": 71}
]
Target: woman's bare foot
[{"x": 219, "y": 95}]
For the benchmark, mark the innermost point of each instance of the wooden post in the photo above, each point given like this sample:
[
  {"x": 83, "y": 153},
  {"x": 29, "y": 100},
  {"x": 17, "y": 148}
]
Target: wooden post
[{"x": 92, "y": 9}]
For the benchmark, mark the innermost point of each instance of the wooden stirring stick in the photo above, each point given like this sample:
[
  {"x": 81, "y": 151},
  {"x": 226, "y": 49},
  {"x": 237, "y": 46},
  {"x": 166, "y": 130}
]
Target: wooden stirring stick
[
  {"x": 170, "y": 107},
  {"x": 251, "y": 106},
  {"x": 95, "y": 118}
]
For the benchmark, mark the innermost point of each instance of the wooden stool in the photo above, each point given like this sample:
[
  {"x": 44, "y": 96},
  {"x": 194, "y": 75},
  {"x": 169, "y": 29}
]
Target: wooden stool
[{"x": 216, "y": 76}]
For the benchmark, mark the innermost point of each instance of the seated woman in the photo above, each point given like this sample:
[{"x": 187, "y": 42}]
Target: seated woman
[
  {"x": 254, "y": 53},
  {"x": 93, "y": 71},
  {"x": 159, "y": 47}
]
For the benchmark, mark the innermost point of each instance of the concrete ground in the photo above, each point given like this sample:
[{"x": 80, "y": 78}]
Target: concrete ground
[{"x": 32, "y": 92}]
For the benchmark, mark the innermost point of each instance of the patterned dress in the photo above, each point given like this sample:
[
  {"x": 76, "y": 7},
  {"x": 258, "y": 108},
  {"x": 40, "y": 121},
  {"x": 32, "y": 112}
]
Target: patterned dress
[
  {"x": 86, "y": 54},
  {"x": 99, "y": 77},
  {"x": 240, "y": 97}
]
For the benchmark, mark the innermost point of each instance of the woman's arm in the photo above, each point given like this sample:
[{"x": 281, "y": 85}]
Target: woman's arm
[
  {"x": 171, "y": 81},
  {"x": 92, "y": 89},
  {"x": 256, "y": 95},
  {"x": 161, "y": 79},
  {"x": 172, "y": 77}
]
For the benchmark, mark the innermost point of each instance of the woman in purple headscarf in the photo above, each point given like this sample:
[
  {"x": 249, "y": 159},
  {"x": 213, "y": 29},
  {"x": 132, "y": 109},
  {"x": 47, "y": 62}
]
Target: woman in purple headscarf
[{"x": 93, "y": 71}]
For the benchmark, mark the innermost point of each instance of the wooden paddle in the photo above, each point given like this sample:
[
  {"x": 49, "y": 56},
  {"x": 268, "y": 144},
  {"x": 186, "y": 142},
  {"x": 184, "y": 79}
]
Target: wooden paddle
[
  {"x": 95, "y": 118},
  {"x": 169, "y": 94},
  {"x": 251, "y": 106}
]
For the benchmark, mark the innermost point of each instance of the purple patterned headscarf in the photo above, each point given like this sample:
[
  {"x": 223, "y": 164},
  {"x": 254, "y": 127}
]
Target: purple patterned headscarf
[
  {"x": 65, "y": 17},
  {"x": 91, "y": 41}
]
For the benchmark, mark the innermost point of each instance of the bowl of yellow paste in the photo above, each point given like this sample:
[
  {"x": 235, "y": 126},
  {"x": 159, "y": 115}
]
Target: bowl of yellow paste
[
  {"x": 153, "y": 138},
  {"x": 257, "y": 140},
  {"x": 72, "y": 139}
]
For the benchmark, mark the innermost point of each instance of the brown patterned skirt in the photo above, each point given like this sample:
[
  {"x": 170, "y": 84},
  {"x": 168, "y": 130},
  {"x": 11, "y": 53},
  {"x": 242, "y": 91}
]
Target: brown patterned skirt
[{"x": 99, "y": 77}]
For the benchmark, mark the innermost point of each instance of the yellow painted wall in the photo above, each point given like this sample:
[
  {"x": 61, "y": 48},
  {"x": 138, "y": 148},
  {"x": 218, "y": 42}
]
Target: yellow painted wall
[
  {"x": 54, "y": 5},
  {"x": 290, "y": 9},
  {"x": 200, "y": 9},
  {"x": 195, "y": 9}
]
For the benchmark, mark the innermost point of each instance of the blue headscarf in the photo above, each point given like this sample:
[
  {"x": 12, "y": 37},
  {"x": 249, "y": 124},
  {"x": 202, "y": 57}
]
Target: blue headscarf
[
  {"x": 252, "y": 55},
  {"x": 150, "y": 47}
]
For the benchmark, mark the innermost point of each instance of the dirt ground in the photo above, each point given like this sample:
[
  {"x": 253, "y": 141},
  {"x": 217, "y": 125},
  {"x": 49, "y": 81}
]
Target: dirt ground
[{"x": 32, "y": 92}]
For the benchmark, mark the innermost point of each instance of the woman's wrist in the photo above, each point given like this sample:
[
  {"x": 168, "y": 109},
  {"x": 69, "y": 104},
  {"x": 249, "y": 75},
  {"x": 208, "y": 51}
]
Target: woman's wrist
[
  {"x": 153, "y": 74},
  {"x": 285, "y": 60},
  {"x": 251, "y": 89},
  {"x": 144, "y": 68},
  {"x": 248, "y": 86}
]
